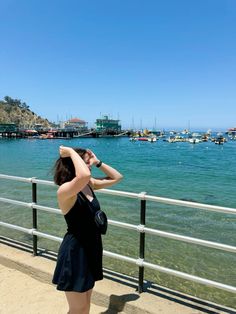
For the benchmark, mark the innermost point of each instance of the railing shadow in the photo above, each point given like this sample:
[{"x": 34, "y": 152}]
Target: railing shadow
[{"x": 117, "y": 302}]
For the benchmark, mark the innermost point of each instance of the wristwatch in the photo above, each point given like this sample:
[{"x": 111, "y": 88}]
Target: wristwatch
[{"x": 98, "y": 165}]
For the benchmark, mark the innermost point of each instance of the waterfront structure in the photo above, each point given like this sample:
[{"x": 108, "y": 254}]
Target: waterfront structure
[
  {"x": 107, "y": 126},
  {"x": 38, "y": 127},
  {"x": 8, "y": 127},
  {"x": 77, "y": 124},
  {"x": 8, "y": 130}
]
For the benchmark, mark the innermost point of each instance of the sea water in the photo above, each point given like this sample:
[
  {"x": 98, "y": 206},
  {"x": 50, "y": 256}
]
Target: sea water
[{"x": 203, "y": 172}]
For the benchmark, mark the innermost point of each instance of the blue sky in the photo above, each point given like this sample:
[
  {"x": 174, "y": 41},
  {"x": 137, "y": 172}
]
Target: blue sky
[{"x": 167, "y": 63}]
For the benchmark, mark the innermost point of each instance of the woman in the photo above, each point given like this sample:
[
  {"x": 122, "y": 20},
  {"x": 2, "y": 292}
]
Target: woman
[{"x": 79, "y": 262}]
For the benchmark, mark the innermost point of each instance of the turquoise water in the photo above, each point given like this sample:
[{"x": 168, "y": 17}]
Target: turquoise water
[{"x": 202, "y": 172}]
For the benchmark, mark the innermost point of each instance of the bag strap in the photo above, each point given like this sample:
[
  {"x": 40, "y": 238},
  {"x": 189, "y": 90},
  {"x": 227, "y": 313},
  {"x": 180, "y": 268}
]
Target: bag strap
[{"x": 84, "y": 198}]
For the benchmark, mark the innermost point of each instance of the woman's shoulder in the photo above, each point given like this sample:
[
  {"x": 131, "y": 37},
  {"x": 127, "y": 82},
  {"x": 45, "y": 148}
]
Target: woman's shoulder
[{"x": 67, "y": 204}]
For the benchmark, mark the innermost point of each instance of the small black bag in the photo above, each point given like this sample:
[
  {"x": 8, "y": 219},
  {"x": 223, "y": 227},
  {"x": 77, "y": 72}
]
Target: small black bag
[{"x": 100, "y": 219}]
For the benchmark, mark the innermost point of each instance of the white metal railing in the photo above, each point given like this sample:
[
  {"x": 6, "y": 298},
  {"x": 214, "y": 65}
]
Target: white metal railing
[{"x": 139, "y": 228}]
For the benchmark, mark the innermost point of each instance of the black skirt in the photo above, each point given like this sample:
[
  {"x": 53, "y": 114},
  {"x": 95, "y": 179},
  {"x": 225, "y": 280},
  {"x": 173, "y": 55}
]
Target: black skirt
[{"x": 78, "y": 266}]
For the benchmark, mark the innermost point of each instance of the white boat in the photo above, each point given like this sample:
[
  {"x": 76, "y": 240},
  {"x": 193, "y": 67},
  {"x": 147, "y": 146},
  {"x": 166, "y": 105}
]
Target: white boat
[
  {"x": 144, "y": 138},
  {"x": 194, "y": 140},
  {"x": 152, "y": 139},
  {"x": 171, "y": 139}
]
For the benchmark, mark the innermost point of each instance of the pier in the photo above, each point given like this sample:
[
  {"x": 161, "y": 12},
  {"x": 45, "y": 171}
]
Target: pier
[
  {"x": 141, "y": 290},
  {"x": 11, "y": 130},
  {"x": 26, "y": 288},
  {"x": 46, "y": 134},
  {"x": 58, "y": 134}
]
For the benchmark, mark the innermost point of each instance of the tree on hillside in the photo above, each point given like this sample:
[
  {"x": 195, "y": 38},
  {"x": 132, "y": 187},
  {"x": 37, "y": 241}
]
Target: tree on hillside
[
  {"x": 24, "y": 106},
  {"x": 14, "y": 111},
  {"x": 15, "y": 102},
  {"x": 12, "y": 102}
]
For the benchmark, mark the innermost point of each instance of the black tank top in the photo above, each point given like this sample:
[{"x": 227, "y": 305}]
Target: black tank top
[
  {"x": 80, "y": 223},
  {"x": 80, "y": 218}
]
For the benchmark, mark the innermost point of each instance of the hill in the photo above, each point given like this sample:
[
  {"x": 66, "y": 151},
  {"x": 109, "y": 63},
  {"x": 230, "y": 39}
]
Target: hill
[{"x": 15, "y": 111}]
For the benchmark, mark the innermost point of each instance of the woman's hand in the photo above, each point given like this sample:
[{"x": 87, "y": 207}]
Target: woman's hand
[
  {"x": 65, "y": 151},
  {"x": 93, "y": 160}
]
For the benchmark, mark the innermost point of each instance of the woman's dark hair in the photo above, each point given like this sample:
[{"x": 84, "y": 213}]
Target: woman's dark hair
[{"x": 64, "y": 170}]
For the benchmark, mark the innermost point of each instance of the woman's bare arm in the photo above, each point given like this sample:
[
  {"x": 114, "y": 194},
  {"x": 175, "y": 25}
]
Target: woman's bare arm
[
  {"x": 82, "y": 175},
  {"x": 112, "y": 175}
]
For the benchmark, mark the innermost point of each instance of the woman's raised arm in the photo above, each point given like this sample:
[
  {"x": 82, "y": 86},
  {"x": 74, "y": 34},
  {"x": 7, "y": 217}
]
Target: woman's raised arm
[
  {"x": 82, "y": 174},
  {"x": 112, "y": 175}
]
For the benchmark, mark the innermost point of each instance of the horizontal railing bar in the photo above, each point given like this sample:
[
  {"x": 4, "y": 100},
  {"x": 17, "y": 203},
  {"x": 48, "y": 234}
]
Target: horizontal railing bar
[
  {"x": 122, "y": 224},
  {"x": 30, "y": 205},
  {"x": 173, "y": 272},
  {"x": 119, "y": 257},
  {"x": 174, "y": 236},
  {"x": 178, "y": 237},
  {"x": 118, "y": 193},
  {"x": 21, "y": 179},
  {"x": 139, "y": 262},
  {"x": 43, "y": 182},
  {"x": 47, "y": 209},
  {"x": 15, "y": 227},
  {"x": 158, "y": 199},
  {"x": 47, "y": 236},
  {"x": 193, "y": 278},
  {"x": 46, "y": 182},
  {"x": 170, "y": 201},
  {"x": 15, "y": 202},
  {"x": 31, "y": 231}
]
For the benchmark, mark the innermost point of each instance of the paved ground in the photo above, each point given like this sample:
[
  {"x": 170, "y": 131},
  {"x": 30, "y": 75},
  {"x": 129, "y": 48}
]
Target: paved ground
[
  {"x": 20, "y": 293},
  {"x": 25, "y": 288}
]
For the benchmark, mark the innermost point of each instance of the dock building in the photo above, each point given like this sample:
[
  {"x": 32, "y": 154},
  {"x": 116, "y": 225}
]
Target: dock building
[
  {"x": 77, "y": 124},
  {"x": 8, "y": 129},
  {"x": 106, "y": 126}
]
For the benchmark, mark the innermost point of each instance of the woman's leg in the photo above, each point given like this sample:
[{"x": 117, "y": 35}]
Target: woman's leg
[
  {"x": 89, "y": 293},
  {"x": 79, "y": 302}
]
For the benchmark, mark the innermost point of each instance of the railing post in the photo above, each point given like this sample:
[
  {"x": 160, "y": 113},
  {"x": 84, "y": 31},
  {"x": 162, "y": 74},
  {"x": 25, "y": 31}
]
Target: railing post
[
  {"x": 34, "y": 218},
  {"x": 142, "y": 242}
]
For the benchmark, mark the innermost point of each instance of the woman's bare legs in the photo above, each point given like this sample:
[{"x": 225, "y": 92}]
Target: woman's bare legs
[
  {"x": 79, "y": 302},
  {"x": 89, "y": 293}
]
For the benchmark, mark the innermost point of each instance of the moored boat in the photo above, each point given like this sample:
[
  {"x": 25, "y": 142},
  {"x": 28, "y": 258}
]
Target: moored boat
[
  {"x": 194, "y": 140},
  {"x": 144, "y": 138}
]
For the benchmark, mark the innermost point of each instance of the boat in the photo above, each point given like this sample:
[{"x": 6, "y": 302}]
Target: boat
[
  {"x": 144, "y": 138},
  {"x": 220, "y": 139},
  {"x": 170, "y": 139},
  {"x": 231, "y": 133},
  {"x": 152, "y": 139},
  {"x": 194, "y": 140},
  {"x": 47, "y": 136},
  {"x": 179, "y": 138}
]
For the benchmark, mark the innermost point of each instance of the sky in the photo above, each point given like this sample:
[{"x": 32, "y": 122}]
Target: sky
[{"x": 150, "y": 63}]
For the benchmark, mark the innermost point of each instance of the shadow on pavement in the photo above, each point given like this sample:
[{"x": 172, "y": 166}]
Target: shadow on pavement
[{"x": 117, "y": 302}]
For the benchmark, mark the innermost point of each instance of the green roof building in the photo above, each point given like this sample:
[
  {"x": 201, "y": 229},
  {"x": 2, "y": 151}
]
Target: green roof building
[
  {"x": 106, "y": 125},
  {"x": 8, "y": 127}
]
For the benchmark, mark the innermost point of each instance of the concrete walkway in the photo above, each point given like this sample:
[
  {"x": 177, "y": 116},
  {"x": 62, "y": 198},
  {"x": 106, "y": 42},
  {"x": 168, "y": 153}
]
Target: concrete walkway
[
  {"x": 25, "y": 288},
  {"x": 20, "y": 293}
]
